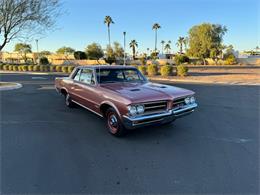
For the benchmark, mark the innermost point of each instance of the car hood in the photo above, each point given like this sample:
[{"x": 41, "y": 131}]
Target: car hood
[{"x": 143, "y": 92}]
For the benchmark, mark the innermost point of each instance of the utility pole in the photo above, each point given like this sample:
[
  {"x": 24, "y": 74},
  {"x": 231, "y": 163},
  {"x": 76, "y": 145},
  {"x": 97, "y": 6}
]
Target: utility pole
[{"x": 124, "y": 33}]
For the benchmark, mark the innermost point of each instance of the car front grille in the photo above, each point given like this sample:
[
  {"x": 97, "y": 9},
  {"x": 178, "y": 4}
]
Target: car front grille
[
  {"x": 155, "y": 107},
  {"x": 178, "y": 103}
]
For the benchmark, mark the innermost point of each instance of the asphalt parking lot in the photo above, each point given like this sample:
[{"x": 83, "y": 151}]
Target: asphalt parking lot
[{"x": 49, "y": 148}]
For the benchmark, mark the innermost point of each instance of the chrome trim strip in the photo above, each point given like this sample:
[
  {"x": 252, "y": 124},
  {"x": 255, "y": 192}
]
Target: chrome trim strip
[
  {"x": 176, "y": 113},
  {"x": 139, "y": 118},
  {"x": 87, "y": 108},
  {"x": 188, "y": 107}
]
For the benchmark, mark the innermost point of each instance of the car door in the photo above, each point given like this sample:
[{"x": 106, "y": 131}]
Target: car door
[
  {"x": 86, "y": 89},
  {"x": 74, "y": 89}
]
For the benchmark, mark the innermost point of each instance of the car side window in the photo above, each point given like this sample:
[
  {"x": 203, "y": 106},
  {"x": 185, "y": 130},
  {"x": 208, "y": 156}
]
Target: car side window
[
  {"x": 77, "y": 75},
  {"x": 87, "y": 76}
]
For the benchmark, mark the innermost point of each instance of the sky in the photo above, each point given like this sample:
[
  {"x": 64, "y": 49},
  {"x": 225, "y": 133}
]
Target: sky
[{"x": 83, "y": 22}]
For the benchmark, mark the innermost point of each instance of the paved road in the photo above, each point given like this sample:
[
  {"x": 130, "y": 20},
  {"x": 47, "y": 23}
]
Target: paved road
[{"x": 48, "y": 148}]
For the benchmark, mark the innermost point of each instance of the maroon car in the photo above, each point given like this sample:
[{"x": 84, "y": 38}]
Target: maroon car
[{"x": 124, "y": 97}]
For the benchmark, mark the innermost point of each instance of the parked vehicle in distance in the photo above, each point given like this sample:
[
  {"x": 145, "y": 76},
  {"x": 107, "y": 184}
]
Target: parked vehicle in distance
[{"x": 124, "y": 97}]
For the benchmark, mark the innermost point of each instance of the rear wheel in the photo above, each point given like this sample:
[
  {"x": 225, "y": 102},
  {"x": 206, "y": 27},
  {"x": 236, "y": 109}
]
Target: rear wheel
[
  {"x": 114, "y": 123},
  {"x": 68, "y": 101}
]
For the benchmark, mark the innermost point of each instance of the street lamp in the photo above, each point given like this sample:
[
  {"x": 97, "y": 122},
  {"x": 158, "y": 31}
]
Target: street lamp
[
  {"x": 124, "y": 33},
  {"x": 37, "y": 47}
]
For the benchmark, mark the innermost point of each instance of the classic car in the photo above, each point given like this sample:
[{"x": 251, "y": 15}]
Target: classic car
[{"x": 124, "y": 97}]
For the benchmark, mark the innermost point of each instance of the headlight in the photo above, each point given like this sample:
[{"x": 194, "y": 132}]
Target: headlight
[
  {"x": 187, "y": 100},
  {"x": 140, "y": 109},
  {"x": 132, "y": 110},
  {"x": 192, "y": 100}
]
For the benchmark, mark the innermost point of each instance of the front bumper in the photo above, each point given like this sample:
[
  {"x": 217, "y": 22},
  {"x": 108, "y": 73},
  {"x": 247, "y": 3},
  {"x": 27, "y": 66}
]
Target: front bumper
[{"x": 160, "y": 118}]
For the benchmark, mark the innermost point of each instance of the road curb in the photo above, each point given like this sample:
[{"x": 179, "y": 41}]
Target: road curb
[
  {"x": 33, "y": 73},
  {"x": 11, "y": 87},
  {"x": 204, "y": 82}
]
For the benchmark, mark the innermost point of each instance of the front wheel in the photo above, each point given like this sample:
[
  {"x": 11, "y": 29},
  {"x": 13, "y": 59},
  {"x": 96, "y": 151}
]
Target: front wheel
[{"x": 114, "y": 123}]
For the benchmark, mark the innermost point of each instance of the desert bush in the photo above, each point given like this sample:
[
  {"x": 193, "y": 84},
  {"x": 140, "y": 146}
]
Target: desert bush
[
  {"x": 142, "y": 69},
  {"x": 30, "y": 68},
  {"x": 36, "y": 68},
  {"x": 230, "y": 59},
  {"x": 44, "y": 61},
  {"x": 25, "y": 68},
  {"x": 10, "y": 67},
  {"x": 182, "y": 70},
  {"x": 70, "y": 69},
  {"x": 52, "y": 68},
  {"x": 5, "y": 67},
  {"x": 58, "y": 68},
  {"x": 20, "y": 68},
  {"x": 152, "y": 70},
  {"x": 15, "y": 68},
  {"x": 166, "y": 70},
  {"x": 180, "y": 59},
  {"x": 64, "y": 69}
]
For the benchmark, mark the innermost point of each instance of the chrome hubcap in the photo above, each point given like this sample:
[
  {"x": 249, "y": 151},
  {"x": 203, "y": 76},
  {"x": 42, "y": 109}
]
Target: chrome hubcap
[{"x": 113, "y": 121}]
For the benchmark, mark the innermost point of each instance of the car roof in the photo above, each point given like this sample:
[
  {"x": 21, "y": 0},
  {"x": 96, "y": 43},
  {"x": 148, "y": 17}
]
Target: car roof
[{"x": 107, "y": 67}]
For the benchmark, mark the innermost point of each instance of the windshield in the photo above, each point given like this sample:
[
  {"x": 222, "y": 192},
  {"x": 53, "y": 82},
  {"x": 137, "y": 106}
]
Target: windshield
[{"x": 119, "y": 75}]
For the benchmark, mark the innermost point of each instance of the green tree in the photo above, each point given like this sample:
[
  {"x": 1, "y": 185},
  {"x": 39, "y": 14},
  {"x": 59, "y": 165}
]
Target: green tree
[
  {"x": 155, "y": 27},
  {"x": 110, "y": 55},
  {"x": 162, "y": 42},
  {"x": 108, "y": 21},
  {"x": 118, "y": 50},
  {"x": 133, "y": 44},
  {"x": 205, "y": 40},
  {"x": 80, "y": 55},
  {"x": 94, "y": 51},
  {"x": 45, "y": 53},
  {"x": 23, "y": 49},
  {"x": 167, "y": 48},
  {"x": 65, "y": 50},
  {"x": 180, "y": 43}
]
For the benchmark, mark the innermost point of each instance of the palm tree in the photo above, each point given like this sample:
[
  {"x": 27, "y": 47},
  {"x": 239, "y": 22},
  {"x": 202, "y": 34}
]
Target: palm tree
[
  {"x": 156, "y": 26},
  {"x": 133, "y": 44},
  {"x": 108, "y": 21},
  {"x": 180, "y": 43},
  {"x": 162, "y": 42},
  {"x": 185, "y": 42},
  {"x": 167, "y": 48}
]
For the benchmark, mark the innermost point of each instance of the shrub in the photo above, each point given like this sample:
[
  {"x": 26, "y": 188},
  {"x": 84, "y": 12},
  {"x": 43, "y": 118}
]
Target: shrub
[
  {"x": 52, "y": 68},
  {"x": 166, "y": 70},
  {"x": 5, "y": 67},
  {"x": 20, "y": 68},
  {"x": 30, "y": 68},
  {"x": 44, "y": 61},
  {"x": 64, "y": 69},
  {"x": 80, "y": 55},
  {"x": 180, "y": 59},
  {"x": 25, "y": 68},
  {"x": 152, "y": 70},
  {"x": 10, "y": 67},
  {"x": 36, "y": 68},
  {"x": 182, "y": 70},
  {"x": 142, "y": 69},
  {"x": 42, "y": 68},
  {"x": 70, "y": 69},
  {"x": 1, "y": 66},
  {"x": 58, "y": 68},
  {"x": 230, "y": 59},
  {"x": 15, "y": 68}
]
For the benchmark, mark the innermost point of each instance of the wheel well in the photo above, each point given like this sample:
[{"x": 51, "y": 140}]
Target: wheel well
[
  {"x": 104, "y": 108},
  {"x": 63, "y": 92}
]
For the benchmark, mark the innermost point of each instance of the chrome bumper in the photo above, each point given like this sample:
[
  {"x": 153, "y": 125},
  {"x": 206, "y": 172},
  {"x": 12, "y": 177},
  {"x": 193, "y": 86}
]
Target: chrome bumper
[{"x": 165, "y": 117}]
